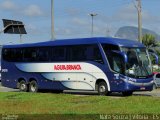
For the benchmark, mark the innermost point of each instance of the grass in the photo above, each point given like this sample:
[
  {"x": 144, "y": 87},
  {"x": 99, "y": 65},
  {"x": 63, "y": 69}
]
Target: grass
[{"x": 49, "y": 104}]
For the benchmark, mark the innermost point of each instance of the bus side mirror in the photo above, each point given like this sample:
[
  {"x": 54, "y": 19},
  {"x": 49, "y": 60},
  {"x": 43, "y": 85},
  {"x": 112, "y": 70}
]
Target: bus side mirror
[
  {"x": 123, "y": 54},
  {"x": 125, "y": 57},
  {"x": 155, "y": 57}
]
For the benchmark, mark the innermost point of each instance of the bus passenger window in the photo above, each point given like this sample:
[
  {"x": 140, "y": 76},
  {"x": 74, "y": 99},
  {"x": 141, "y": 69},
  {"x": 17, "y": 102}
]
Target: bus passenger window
[
  {"x": 97, "y": 55},
  {"x": 85, "y": 53},
  {"x": 43, "y": 54},
  {"x": 116, "y": 62},
  {"x": 59, "y": 53},
  {"x": 77, "y": 53},
  {"x": 30, "y": 55},
  {"x": 6, "y": 54},
  {"x": 18, "y": 55}
]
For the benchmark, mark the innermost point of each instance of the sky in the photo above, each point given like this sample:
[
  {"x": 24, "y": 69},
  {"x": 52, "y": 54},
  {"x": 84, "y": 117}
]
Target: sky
[{"x": 72, "y": 19}]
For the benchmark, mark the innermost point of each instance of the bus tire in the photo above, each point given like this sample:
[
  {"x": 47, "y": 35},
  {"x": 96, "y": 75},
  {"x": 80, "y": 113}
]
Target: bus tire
[
  {"x": 102, "y": 89},
  {"x": 23, "y": 86},
  {"x": 33, "y": 86},
  {"x": 127, "y": 93}
]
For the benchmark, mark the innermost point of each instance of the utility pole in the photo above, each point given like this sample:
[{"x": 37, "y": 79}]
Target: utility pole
[
  {"x": 107, "y": 32},
  {"x": 92, "y": 26},
  {"x": 52, "y": 20},
  {"x": 21, "y": 41},
  {"x": 139, "y": 10}
]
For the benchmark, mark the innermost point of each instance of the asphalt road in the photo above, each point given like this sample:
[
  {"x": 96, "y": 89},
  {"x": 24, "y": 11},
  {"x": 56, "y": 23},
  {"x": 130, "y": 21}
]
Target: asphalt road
[
  {"x": 154, "y": 93},
  {"x": 4, "y": 89}
]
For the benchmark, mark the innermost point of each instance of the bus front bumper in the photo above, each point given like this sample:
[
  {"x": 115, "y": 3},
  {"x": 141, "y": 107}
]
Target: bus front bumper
[
  {"x": 140, "y": 86},
  {"x": 144, "y": 85}
]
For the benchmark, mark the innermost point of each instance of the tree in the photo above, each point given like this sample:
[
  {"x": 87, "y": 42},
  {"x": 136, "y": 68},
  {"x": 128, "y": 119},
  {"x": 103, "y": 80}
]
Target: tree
[
  {"x": 149, "y": 41},
  {"x": 152, "y": 45}
]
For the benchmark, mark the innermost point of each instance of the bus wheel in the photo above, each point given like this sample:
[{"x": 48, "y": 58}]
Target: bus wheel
[
  {"x": 127, "y": 93},
  {"x": 102, "y": 89},
  {"x": 33, "y": 86},
  {"x": 23, "y": 86}
]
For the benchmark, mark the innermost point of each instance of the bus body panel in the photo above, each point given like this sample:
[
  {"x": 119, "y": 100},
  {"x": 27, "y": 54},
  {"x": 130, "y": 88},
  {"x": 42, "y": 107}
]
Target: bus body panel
[
  {"x": 11, "y": 80},
  {"x": 83, "y": 78},
  {"x": 45, "y": 75},
  {"x": 72, "y": 75}
]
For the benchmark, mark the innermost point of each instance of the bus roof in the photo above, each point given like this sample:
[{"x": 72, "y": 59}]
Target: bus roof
[{"x": 76, "y": 41}]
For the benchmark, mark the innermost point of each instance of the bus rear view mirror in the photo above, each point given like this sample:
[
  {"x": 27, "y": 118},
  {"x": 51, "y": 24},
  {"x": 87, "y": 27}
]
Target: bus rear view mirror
[
  {"x": 123, "y": 54},
  {"x": 154, "y": 58}
]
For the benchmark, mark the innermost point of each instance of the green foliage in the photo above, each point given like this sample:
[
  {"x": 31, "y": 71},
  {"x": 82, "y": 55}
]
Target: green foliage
[
  {"x": 51, "y": 104},
  {"x": 156, "y": 70},
  {"x": 149, "y": 41},
  {"x": 151, "y": 44}
]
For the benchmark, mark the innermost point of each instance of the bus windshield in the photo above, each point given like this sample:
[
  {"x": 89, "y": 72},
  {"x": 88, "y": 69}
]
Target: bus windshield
[
  {"x": 138, "y": 62},
  {"x": 137, "y": 66}
]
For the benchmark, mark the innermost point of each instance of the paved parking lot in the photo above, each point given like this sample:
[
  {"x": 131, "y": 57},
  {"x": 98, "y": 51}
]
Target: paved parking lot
[
  {"x": 4, "y": 89},
  {"x": 154, "y": 93}
]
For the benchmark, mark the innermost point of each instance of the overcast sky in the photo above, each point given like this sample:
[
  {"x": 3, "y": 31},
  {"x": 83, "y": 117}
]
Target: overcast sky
[{"x": 72, "y": 19}]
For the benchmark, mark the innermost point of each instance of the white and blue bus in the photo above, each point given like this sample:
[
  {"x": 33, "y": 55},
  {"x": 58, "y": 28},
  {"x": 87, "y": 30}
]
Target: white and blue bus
[{"x": 95, "y": 64}]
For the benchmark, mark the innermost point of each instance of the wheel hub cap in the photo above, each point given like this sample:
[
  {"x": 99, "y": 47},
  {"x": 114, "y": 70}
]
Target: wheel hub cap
[
  {"x": 102, "y": 89},
  {"x": 33, "y": 88},
  {"x": 23, "y": 86}
]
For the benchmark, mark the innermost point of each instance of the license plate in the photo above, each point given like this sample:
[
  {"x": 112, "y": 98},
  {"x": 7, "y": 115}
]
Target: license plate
[{"x": 142, "y": 88}]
